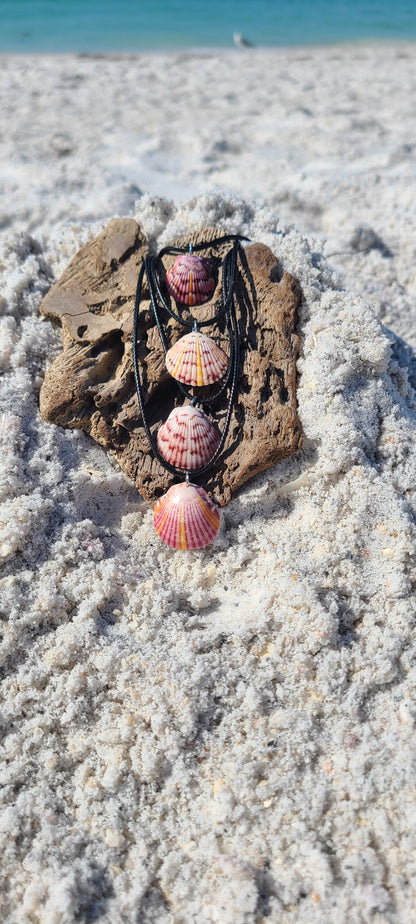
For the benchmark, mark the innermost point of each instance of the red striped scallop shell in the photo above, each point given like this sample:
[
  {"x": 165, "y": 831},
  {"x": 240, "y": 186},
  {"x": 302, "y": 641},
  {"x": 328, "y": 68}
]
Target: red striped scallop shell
[
  {"x": 188, "y": 439},
  {"x": 190, "y": 280},
  {"x": 186, "y": 518},
  {"x": 196, "y": 360}
]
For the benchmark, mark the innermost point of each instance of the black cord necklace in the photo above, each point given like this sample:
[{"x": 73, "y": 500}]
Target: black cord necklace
[{"x": 188, "y": 442}]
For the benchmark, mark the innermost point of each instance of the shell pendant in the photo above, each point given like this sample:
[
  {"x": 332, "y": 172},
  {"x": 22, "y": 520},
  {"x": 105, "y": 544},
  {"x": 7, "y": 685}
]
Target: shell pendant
[
  {"x": 190, "y": 280},
  {"x": 186, "y": 517},
  {"x": 196, "y": 360},
  {"x": 188, "y": 440}
]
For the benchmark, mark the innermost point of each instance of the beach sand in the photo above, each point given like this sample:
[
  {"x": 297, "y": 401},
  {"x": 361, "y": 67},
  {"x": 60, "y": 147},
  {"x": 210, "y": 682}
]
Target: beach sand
[{"x": 226, "y": 735}]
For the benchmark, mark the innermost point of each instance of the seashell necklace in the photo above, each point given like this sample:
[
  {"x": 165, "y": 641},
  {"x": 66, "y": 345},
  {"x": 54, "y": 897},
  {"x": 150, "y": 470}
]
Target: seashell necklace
[{"x": 189, "y": 442}]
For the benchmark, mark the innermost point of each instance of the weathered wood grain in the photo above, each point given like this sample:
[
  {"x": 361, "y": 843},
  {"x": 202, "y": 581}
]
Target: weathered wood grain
[{"x": 90, "y": 385}]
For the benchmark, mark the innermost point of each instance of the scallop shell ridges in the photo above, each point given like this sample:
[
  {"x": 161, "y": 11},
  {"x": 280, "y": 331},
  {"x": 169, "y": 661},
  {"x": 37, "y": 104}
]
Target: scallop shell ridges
[
  {"x": 196, "y": 360},
  {"x": 188, "y": 439},
  {"x": 186, "y": 518},
  {"x": 190, "y": 280}
]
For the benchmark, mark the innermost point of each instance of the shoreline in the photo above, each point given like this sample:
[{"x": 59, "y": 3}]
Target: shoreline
[{"x": 214, "y": 50}]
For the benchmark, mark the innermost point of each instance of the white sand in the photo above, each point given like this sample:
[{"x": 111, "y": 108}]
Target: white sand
[{"x": 223, "y": 736}]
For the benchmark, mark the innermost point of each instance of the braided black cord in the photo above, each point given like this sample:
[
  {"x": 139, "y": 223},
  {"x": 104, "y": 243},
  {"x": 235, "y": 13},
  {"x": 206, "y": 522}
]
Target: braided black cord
[
  {"x": 148, "y": 262},
  {"x": 228, "y": 281},
  {"x": 235, "y": 365},
  {"x": 203, "y": 246}
]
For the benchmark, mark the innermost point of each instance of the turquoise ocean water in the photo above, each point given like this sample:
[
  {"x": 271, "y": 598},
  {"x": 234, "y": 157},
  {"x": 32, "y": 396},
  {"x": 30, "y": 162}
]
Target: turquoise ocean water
[{"x": 94, "y": 26}]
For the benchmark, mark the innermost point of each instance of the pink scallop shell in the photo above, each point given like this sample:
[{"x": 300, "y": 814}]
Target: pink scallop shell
[
  {"x": 196, "y": 360},
  {"x": 188, "y": 439},
  {"x": 186, "y": 518},
  {"x": 190, "y": 280}
]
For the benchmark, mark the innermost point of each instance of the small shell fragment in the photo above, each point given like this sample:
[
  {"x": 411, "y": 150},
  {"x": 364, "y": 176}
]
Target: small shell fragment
[
  {"x": 190, "y": 280},
  {"x": 186, "y": 518},
  {"x": 188, "y": 439},
  {"x": 196, "y": 360}
]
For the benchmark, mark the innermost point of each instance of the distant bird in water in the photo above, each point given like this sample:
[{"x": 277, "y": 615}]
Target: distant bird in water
[{"x": 241, "y": 42}]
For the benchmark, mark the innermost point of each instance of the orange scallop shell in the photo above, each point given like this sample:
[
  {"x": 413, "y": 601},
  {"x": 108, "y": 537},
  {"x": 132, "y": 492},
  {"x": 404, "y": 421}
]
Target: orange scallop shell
[
  {"x": 188, "y": 439},
  {"x": 190, "y": 280},
  {"x": 196, "y": 360},
  {"x": 186, "y": 518}
]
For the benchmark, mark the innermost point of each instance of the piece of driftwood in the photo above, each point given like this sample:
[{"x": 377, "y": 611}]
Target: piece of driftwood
[{"x": 90, "y": 385}]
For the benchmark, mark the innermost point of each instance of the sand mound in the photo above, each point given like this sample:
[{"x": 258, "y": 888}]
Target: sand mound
[{"x": 224, "y": 735}]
